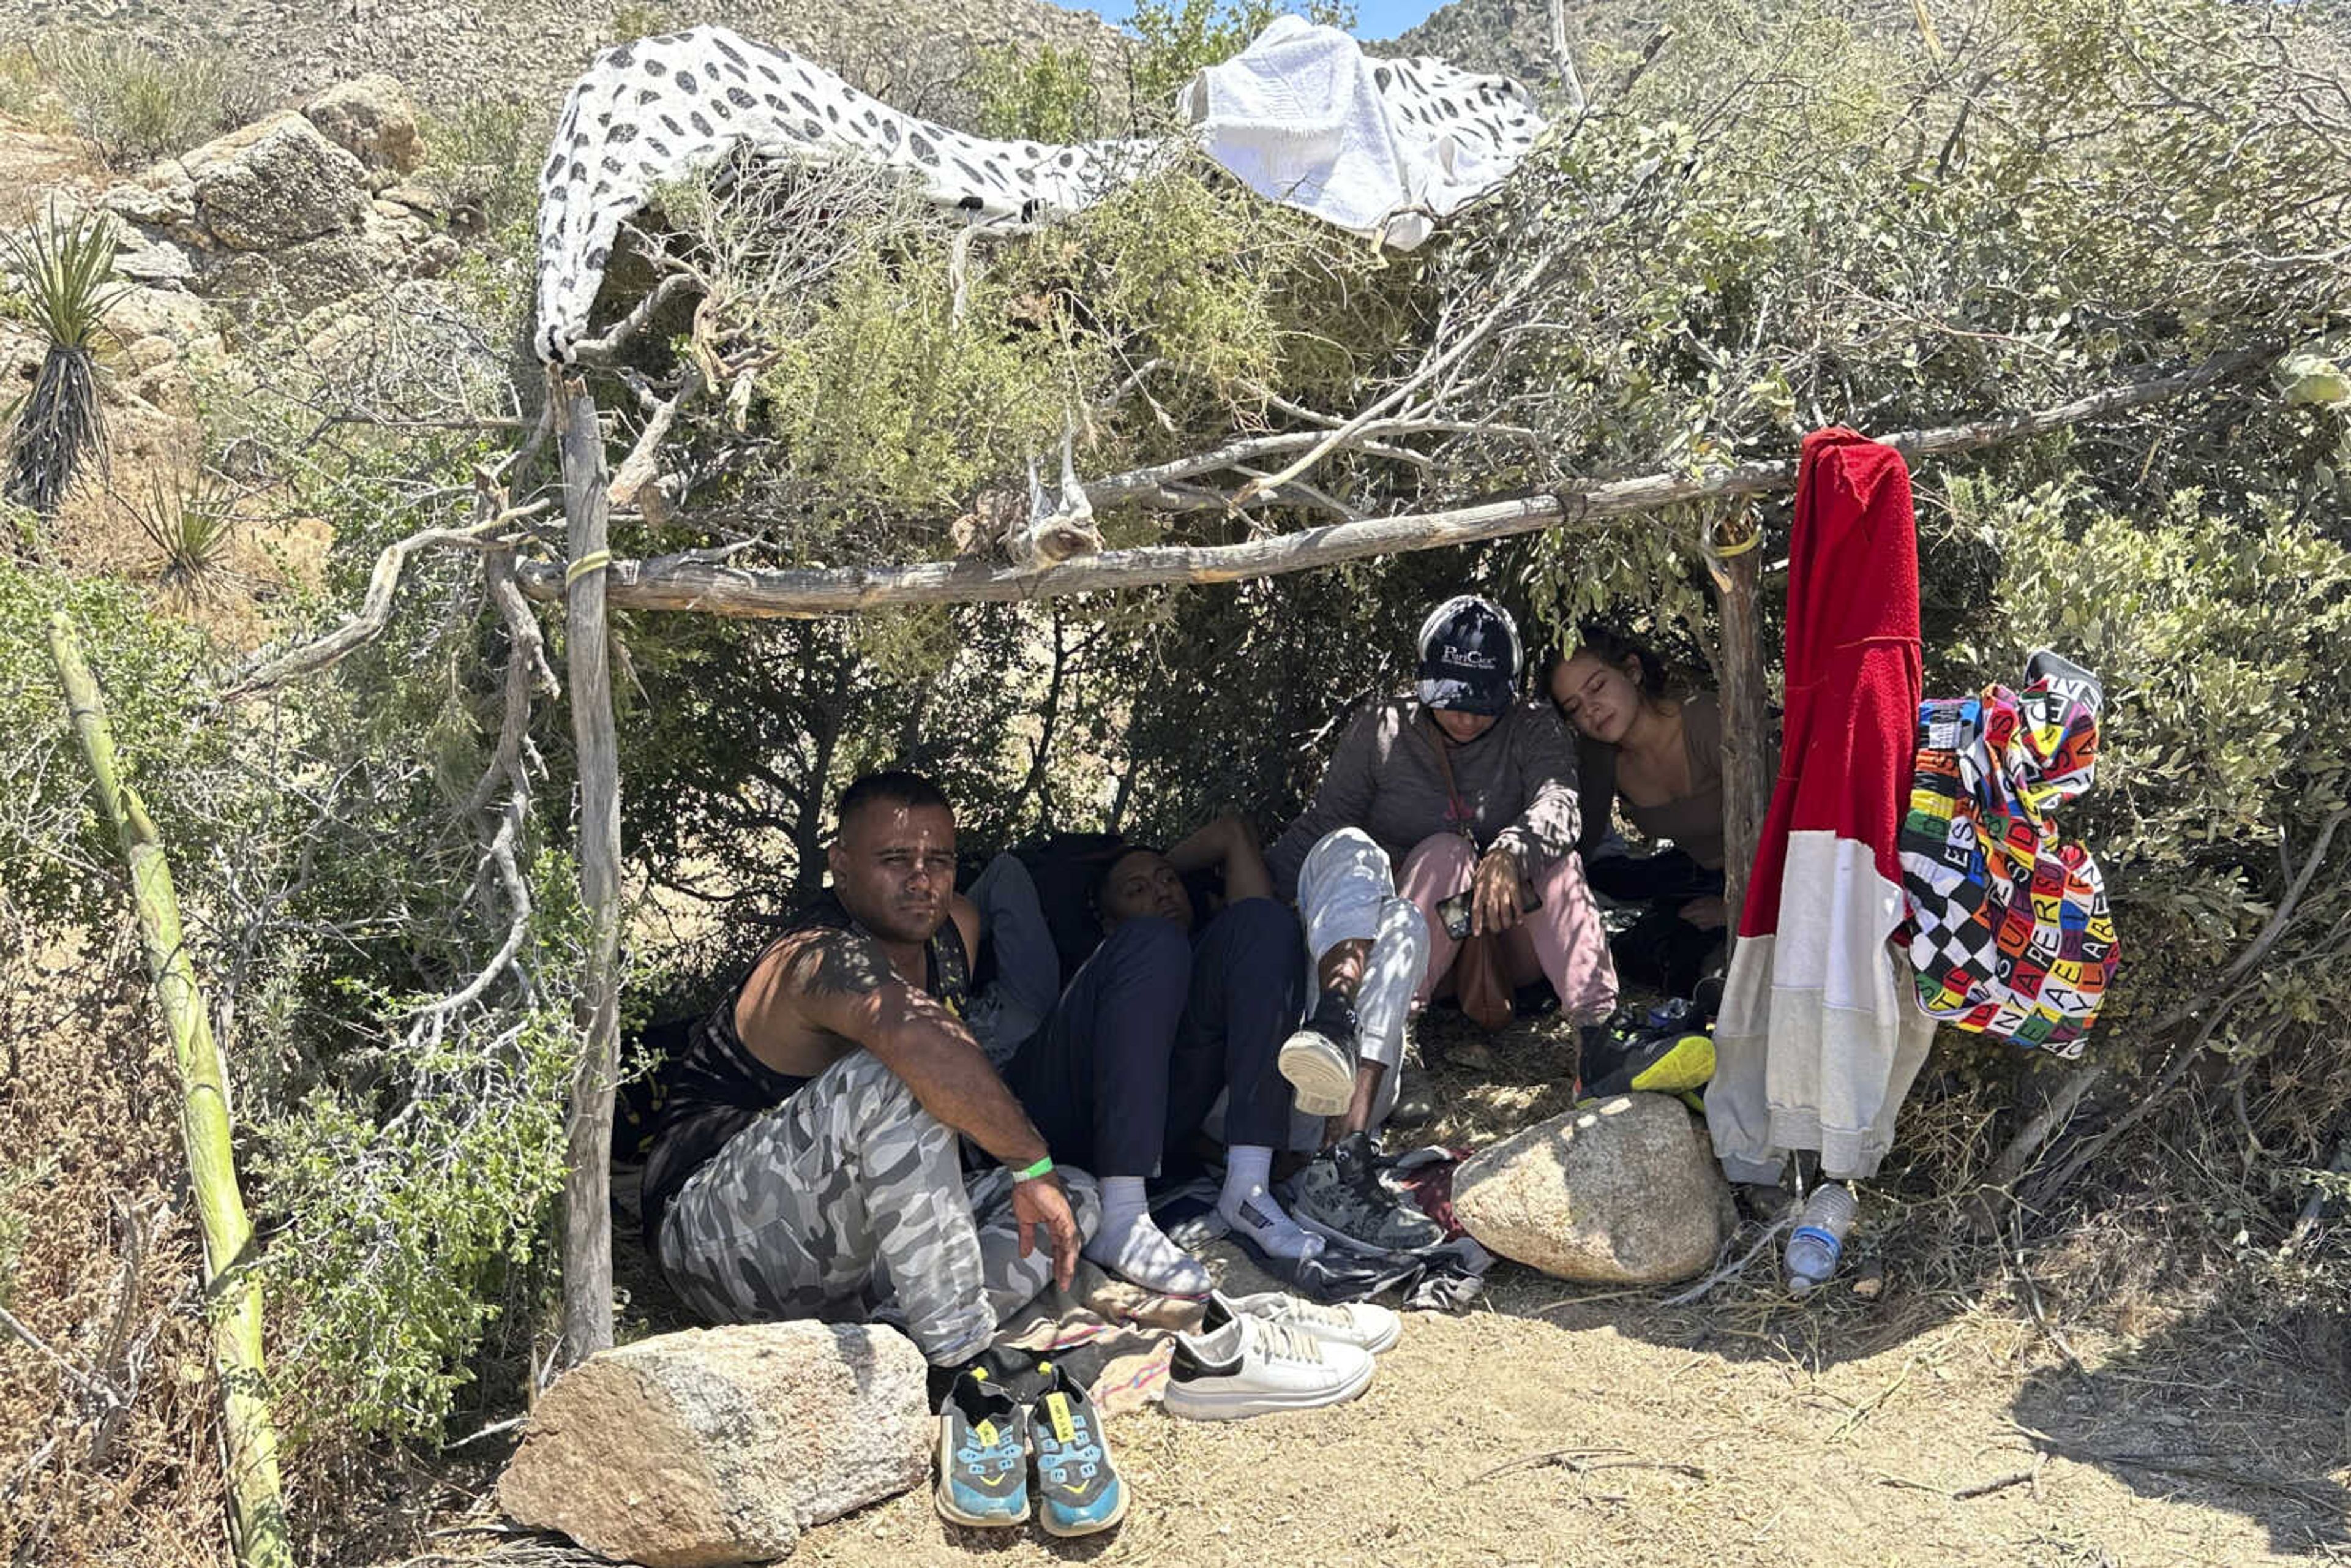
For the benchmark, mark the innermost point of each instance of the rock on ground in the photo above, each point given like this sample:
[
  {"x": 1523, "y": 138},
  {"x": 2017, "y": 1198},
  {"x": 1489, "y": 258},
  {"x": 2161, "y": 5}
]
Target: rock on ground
[
  {"x": 275, "y": 183},
  {"x": 720, "y": 1446},
  {"x": 1622, "y": 1192},
  {"x": 371, "y": 119}
]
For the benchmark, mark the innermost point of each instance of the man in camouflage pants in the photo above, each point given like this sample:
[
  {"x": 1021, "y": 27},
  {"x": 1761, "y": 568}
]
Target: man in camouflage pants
[{"x": 807, "y": 1161}]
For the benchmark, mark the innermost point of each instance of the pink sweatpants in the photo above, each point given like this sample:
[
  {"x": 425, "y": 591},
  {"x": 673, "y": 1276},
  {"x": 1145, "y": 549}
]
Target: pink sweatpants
[{"x": 1562, "y": 941}]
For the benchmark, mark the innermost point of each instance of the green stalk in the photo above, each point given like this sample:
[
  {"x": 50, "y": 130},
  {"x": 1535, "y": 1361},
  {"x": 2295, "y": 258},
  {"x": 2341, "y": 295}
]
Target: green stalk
[{"x": 257, "y": 1501}]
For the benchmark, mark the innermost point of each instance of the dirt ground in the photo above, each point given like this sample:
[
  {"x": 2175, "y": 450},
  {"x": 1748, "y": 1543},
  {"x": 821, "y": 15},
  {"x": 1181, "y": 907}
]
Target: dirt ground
[
  {"x": 1921, "y": 1423},
  {"x": 1592, "y": 1433},
  {"x": 1924, "y": 1420}
]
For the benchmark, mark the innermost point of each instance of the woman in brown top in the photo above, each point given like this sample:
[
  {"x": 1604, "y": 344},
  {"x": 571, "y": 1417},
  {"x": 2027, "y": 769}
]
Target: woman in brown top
[{"x": 1661, "y": 758}]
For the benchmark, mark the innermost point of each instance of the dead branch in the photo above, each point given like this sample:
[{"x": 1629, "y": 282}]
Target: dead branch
[
  {"x": 671, "y": 582},
  {"x": 527, "y": 667},
  {"x": 602, "y": 350},
  {"x": 637, "y": 469},
  {"x": 2311, "y": 1491},
  {"x": 375, "y": 609},
  {"x": 2018, "y": 1156},
  {"x": 2234, "y": 983},
  {"x": 1585, "y": 1461},
  {"x": 430, "y": 1020}
]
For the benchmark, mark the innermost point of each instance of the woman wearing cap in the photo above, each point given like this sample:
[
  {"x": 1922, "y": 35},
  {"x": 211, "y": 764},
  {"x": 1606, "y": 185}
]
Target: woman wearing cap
[{"x": 1462, "y": 787}]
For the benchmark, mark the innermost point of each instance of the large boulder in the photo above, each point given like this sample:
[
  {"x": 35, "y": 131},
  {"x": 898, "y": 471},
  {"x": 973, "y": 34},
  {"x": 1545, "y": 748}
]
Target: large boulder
[
  {"x": 372, "y": 120},
  {"x": 275, "y": 183},
  {"x": 1623, "y": 1192},
  {"x": 720, "y": 1446}
]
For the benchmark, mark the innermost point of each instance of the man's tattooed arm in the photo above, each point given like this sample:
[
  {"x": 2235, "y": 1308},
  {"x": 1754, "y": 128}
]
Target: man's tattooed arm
[{"x": 841, "y": 982}]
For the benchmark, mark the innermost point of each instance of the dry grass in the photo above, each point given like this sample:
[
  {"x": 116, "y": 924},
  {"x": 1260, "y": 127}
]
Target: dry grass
[{"x": 106, "y": 1438}]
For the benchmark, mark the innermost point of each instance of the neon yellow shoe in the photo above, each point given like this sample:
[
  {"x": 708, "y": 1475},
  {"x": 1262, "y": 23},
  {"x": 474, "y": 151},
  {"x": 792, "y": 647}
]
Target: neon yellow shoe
[{"x": 1671, "y": 1064}]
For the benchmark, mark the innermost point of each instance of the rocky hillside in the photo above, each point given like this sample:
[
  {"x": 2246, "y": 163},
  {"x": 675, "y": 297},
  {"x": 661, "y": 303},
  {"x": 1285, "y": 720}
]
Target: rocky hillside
[
  {"x": 1513, "y": 36},
  {"x": 447, "y": 53}
]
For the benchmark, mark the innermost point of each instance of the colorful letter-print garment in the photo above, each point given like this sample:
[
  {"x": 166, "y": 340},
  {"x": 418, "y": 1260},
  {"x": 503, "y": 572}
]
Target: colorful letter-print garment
[{"x": 2009, "y": 933}]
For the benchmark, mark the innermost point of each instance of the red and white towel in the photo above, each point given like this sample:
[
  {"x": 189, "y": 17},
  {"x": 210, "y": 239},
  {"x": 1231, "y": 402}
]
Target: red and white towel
[{"x": 1820, "y": 1034}]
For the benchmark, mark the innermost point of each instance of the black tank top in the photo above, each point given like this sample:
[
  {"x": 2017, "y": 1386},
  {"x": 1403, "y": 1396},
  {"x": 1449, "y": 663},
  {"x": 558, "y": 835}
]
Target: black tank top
[{"x": 715, "y": 1087}]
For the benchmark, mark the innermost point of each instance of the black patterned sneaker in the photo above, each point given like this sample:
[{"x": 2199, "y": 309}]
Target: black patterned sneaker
[
  {"x": 1079, "y": 1491},
  {"x": 1340, "y": 1195},
  {"x": 983, "y": 1455},
  {"x": 1319, "y": 1060}
]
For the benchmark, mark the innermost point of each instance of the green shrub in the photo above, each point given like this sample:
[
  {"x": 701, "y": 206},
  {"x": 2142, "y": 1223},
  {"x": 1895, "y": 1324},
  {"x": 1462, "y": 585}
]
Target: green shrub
[
  {"x": 485, "y": 153},
  {"x": 137, "y": 102},
  {"x": 1048, "y": 96},
  {"x": 59, "y": 868},
  {"x": 2228, "y": 724},
  {"x": 1179, "y": 36},
  {"x": 27, "y": 91}
]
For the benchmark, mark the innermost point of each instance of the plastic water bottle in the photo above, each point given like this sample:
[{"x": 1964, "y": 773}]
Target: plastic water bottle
[{"x": 1818, "y": 1240}]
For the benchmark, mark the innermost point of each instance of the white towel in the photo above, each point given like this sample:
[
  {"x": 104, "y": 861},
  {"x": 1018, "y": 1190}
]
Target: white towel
[{"x": 1382, "y": 147}]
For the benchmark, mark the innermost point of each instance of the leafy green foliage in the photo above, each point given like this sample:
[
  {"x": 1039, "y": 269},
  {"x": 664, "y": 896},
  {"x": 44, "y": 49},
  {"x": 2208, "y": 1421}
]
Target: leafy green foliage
[
  {"x": 1048, "y": 96},
  {"x": 407, "y": 1227},
  {"x": 59, "y": 866},
  {"x": 1179, "y": 36}
]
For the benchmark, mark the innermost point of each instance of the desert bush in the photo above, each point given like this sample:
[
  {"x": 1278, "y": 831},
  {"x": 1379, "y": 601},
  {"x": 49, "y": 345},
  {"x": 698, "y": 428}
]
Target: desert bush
[
  {"x": 1048, "y": 96},
  {"x": 486, "y": 154},
  {"x": 1179, "y": 36},
  {"x": 26, "y": 91},
  {"x": 137, "y": 102}
]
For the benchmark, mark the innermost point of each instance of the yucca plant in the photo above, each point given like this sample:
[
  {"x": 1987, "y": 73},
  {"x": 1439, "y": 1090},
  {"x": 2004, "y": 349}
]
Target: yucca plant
[
  {"x": 193, "y": 527},
  {"x": 68, "y": 271}
]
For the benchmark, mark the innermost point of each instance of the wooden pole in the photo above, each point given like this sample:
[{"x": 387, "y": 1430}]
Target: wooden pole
[
  {"x": 257, "y": 1502},
  {"x": 586, "y": 1188},
  {"x": 714, "y": 588},
  {"x": 1746, "y": 752}
]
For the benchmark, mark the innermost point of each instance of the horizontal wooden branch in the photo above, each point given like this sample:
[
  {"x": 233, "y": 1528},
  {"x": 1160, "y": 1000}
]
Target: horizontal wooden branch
[{"x": 710, "y": 588}]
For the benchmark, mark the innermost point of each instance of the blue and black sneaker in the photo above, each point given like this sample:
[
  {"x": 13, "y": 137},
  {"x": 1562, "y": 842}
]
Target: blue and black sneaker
[
  {"x": 1078, "y": 1487},
  {"x": 983, "y": 1455}
]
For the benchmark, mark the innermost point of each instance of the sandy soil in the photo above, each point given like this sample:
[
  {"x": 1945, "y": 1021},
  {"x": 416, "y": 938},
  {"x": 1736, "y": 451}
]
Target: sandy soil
[
  {"x": 1598, "y": 1434},
  {"x": 1555, "y": 1425}
]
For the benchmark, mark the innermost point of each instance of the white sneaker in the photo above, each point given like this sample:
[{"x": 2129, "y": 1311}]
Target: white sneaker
[
  {"x": 1252, "y": 1367},
  {"x": 1358, "y": 1323},
  {"x": 1321, "y": 1075}
]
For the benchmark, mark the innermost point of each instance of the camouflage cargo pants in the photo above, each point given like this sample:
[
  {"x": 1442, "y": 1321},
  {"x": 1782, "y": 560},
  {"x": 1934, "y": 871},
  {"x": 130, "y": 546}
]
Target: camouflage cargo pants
[{"x": 850, "y": 1201}]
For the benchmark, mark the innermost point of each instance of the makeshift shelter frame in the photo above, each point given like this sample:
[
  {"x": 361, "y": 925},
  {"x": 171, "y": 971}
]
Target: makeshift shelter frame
[{"x": 591, "y": 583}]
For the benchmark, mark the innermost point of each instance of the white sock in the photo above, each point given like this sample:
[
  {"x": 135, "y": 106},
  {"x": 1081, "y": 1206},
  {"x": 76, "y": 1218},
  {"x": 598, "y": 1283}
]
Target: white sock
[
  {"x": 1131, "y": 1246},
  {"x": 1251, "y": 1210}
]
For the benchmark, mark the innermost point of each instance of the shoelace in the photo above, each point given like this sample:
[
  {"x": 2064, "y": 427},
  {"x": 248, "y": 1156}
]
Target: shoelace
[
  {"x": 1280, "y": 1342},
  {"x": 1294, "y": 1310}
]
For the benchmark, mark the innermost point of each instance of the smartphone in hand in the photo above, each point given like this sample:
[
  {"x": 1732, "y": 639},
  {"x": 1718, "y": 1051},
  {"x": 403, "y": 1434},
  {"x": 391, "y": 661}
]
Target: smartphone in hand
[{"x": 1455, "y": 911}]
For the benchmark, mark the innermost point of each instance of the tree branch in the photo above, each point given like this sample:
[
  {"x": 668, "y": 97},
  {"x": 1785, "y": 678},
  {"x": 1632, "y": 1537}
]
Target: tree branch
[
  {"x": 375, "y": 609},
  {"x": 672, "y": 582}
]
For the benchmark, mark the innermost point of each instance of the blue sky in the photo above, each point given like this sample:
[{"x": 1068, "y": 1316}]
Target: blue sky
[{"x": 1374, "y": 18}]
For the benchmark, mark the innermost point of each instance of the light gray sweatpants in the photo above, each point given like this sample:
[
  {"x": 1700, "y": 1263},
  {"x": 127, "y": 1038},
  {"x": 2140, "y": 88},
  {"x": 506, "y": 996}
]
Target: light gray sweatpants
[{"x": 1347, "y": 892}]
